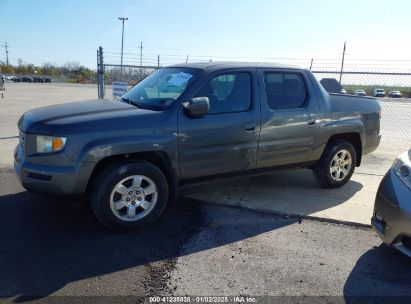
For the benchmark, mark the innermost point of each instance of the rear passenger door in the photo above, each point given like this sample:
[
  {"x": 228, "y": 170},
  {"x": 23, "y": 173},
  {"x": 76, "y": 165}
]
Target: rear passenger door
[{"x": 289, "y": 118}]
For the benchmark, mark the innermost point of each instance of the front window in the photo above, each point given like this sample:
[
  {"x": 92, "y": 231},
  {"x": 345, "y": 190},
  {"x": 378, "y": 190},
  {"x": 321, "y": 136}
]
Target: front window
[
  {"x": 160, "y": 89},
  {"x": 228, "y": 93}
]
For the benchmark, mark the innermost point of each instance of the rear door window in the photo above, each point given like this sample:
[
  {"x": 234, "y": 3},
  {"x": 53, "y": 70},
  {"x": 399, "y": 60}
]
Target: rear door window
[{"x": 284, "y": 90}]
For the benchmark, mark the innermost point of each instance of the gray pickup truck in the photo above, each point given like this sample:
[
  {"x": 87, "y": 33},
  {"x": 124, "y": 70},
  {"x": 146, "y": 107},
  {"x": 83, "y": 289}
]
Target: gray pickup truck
[{"x": 189, "y": 123}]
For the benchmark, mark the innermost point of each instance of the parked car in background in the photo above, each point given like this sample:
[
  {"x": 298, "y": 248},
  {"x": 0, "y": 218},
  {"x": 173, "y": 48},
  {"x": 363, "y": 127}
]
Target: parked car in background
[
  {"x": 343, "y": 91},
  {"x": 360, "y": 92},
  {"x": 26, "y": 79},
  {"x": 379, "y": 93},
  {"x": 22, "y": 79},
  {"x": 395, "y": 94},
  {"x": 392, "y": 211},
  {"x": 38, "y": 79},
  {"x": 130, "y": 157},
  {"x": 35, "y": 79}
]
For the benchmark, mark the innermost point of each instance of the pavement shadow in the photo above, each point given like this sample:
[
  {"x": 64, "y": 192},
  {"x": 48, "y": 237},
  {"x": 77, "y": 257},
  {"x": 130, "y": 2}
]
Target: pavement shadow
[
  {"x": 46, "y": 244},
  {"x": 381, "y": 275},
  {"x": 288, "y": 191}
]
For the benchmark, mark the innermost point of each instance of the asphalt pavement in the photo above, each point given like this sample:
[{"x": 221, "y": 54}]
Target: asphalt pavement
[{"x": 53, "y": 248}]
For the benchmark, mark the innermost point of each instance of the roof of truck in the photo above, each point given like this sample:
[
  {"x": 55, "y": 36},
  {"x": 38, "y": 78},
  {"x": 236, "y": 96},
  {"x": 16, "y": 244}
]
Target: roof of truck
[{"x": 233, "y": 65}]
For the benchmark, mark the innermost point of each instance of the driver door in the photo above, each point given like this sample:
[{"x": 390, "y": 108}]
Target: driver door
[{"x": 226, "y": 139}]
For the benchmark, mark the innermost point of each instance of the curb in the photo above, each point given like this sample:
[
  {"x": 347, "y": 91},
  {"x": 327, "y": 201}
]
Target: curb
[{"x": 286, "y": 214}]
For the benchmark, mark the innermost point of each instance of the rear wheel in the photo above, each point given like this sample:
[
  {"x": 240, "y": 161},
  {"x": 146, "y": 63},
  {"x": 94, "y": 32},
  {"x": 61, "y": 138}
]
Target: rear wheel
[
  {"x": 336, "y": 165},
  {"x": 129, "y": 195}
]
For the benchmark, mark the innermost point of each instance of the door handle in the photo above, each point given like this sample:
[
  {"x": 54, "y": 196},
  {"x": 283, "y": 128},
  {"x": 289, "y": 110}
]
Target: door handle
[
  {"x": 312, "y": 121},
  {"x": 250, "y": 127}
]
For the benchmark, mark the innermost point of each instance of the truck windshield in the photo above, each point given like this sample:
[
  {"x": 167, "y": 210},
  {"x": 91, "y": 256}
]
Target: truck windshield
[{"x": 160, "y": 89}]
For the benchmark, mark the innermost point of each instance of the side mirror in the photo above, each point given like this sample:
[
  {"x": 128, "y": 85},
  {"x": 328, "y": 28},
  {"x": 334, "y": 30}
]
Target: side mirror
[{"x": 197, "y": 107}]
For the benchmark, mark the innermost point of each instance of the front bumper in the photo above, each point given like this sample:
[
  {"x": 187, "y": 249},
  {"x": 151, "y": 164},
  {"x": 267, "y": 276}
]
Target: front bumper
[
  {"x": 64, "y": 179},
  {"x": 372, "y": 142},
  {"x": 392, "y": 213}
]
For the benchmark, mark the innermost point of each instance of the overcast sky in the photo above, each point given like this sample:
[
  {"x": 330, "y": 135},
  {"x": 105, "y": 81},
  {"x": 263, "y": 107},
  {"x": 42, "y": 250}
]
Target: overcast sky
[{"x": 245, "y": 30}]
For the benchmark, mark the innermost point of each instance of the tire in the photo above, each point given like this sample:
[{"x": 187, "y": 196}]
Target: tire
[
  {"x": 126, "y": 188},
  {"x": 322, "y": 171}
]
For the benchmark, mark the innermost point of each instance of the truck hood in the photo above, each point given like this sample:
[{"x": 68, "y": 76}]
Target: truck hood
[{"x": 76, "y": 116}]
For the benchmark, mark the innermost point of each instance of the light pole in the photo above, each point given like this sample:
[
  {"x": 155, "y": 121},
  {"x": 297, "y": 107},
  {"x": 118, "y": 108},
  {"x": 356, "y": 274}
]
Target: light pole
[{"x": 122, "y": 43}]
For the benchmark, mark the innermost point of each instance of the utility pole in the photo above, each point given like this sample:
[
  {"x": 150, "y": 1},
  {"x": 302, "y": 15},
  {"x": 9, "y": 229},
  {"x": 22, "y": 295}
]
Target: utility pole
[
  {"x": 141, "y": 54},
  {"x": 122, "y": 43},
  {"x": 311, "y": 65},
  {"x": 141, "y": 59},
  {"x": 158, "y": 61},
  {"x": 100, "y": 73},
  {"x": 7, "y": 53},
  {"x": 188, "y": 56},
  {"x": 342, "y": 62}
]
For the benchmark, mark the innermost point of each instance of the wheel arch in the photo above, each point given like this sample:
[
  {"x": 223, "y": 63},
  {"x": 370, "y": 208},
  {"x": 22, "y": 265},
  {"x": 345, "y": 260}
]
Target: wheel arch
[
  {"x": 355, "y": 139},
  {"x": 158, "y": 158}
]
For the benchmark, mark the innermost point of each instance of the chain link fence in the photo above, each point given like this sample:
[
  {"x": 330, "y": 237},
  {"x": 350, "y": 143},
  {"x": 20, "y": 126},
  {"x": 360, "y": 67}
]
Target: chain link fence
[
  {"x": 395, "y": 127},
  {"x": 388, "y": 76},
  {"x": 396, "y": 108},
  {"x": 109, "y": 71}
]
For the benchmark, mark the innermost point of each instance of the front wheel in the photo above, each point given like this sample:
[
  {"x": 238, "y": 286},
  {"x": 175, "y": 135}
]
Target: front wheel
[
  {"x": 129, "y": 195},
  {"x": 336, "y": 165}
]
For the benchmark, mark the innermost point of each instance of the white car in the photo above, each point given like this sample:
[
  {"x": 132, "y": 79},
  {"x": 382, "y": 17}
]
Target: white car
[
  {"x": 359, "y": 92},
  {"x": 379, "y": 93},
  {"x": 395, "y": 94}
]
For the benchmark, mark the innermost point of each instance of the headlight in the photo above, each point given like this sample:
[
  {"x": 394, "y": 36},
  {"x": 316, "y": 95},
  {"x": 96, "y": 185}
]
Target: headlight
[
  {"x": 402, "y": 168},
  {"x": 48, "y": 144}
]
